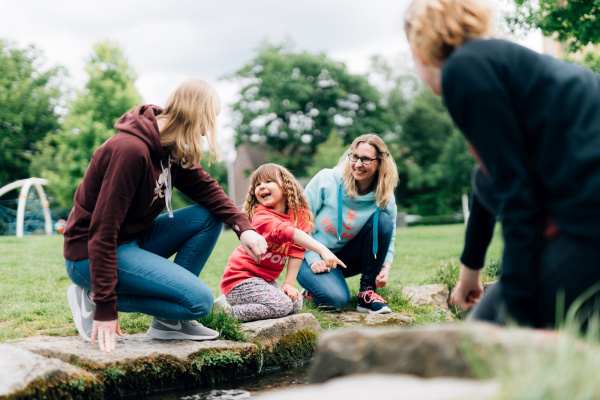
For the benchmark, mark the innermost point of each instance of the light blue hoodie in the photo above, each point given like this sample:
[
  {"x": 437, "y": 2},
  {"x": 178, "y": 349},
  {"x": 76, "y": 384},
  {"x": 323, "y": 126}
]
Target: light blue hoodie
[{"x": 335, "y": 212}]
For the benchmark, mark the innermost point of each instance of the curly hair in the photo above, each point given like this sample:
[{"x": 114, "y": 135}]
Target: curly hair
[
  {"x": 296, "y": 203},
  {"x": 435, "y": 28},
  {"x": 387, "y": 176},
  {"x": 191, "y": 114}
]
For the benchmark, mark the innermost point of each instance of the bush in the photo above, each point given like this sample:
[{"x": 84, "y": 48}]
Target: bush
[{"x": 437, "y": 220}]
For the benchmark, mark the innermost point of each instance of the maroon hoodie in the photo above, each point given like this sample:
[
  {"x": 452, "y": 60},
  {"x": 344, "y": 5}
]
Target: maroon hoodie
[{"x": 120, "y": 195}]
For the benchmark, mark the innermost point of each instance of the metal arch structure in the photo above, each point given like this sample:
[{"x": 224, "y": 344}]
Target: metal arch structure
[{"x": 25, "y": 185}]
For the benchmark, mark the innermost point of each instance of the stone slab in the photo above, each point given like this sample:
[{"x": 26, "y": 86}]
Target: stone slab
[
  {"x": 19, "y": 368},
  {"x": 73, "y": 349},
  {"x": 389, "y": 387},
  {"x": 270, "y": 330}
]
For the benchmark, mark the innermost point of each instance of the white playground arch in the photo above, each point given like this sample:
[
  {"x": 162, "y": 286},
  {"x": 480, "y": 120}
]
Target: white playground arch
[{"x": 25, "y": 185}]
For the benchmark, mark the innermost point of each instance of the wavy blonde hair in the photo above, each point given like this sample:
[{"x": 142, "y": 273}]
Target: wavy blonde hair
[
  {"x": 191, "y": 113},
  {"x": 386, "y": 179},
  {"x": 435, "y": 28},
  {"x": 297, "y": 205}
]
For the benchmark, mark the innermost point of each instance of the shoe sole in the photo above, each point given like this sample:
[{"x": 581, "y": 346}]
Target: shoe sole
[
  {"x": 172, "y": 335},
  {"x": 384, "y": 310},
  {"x": 75, "y": 310}
]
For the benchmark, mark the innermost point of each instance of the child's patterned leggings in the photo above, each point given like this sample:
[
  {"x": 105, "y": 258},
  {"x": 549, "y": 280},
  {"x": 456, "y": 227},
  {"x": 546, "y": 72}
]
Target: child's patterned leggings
[{"x": 256, "y": 298}]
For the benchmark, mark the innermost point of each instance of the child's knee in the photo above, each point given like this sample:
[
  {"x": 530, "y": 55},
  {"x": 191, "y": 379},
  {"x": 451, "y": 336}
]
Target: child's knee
[
  {"x": 297, "y": 305},
  {"x": 282, "y": 308}
]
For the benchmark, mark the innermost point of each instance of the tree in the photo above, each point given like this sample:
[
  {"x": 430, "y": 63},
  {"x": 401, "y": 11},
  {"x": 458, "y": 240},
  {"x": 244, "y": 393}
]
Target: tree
[
  {"x": 433, "y": 161},
  {"x": 575, "y": 22},
  {"x": 29, "y": 98},
  {"x": 109, "y": 93},
  {"x": 327, "y": 154},
  {"x": 292, "y": 101},
  {"x": 590, "y": 59}
]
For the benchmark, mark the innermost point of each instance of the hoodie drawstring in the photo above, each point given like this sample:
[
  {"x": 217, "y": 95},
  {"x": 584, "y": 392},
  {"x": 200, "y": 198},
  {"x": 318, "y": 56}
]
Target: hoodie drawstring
[
  {"x": 339, "y": 221},
  {"x": 169, "y": 191},
  {"x": 375, "y": 231}
]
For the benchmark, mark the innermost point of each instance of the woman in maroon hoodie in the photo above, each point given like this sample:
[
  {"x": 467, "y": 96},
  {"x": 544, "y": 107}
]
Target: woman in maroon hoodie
[{"x": 117, "y": 247}]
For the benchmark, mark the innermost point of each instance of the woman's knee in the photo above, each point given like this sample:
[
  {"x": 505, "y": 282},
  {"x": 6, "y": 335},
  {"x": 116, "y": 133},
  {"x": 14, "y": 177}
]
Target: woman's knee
[
  {"x": 200, "y": 304},
  {"x": 385, "y": 226},
  {"x": 337, "y": 299},
  {"x": 201, "y": 214}
]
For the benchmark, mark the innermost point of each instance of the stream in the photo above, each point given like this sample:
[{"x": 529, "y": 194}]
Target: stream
[{"x": 241, "y": 389}]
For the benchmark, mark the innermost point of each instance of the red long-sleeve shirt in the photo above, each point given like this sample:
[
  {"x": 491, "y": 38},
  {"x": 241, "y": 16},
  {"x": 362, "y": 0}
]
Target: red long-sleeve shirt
[{"x": 278, "y": 231}]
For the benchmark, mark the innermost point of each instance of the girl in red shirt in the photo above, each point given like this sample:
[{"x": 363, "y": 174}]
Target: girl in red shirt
[{"x": 278, "y": 211}]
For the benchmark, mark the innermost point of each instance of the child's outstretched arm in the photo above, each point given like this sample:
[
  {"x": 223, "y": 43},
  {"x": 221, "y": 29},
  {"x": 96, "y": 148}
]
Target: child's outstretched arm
[
  {"x": 305, "y": 240},
  {"x": 293, "y": 267}
]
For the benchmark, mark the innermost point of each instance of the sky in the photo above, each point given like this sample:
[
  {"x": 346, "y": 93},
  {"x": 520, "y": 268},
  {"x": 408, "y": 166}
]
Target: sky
[{"x": 168, "y": 42}]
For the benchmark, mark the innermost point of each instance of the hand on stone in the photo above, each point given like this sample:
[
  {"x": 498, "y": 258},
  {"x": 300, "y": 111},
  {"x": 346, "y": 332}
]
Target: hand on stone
[{"x": 107, "y": 331}]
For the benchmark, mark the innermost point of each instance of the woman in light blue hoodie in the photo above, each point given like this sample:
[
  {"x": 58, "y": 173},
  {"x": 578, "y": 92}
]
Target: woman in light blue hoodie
[{"x": 355, "y": 217}]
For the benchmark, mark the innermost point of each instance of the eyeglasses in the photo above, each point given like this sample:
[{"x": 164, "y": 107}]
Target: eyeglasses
[{"x": 365, "y": 160}]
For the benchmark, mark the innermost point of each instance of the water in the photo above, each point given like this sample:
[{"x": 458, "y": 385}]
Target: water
[{"x": 241, "y": 389}]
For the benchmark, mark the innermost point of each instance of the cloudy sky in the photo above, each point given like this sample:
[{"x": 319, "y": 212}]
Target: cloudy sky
[{"x": 167, "y": 42}]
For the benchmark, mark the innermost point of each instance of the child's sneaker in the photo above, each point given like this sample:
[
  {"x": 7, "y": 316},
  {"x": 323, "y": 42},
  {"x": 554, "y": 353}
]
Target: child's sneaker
[
  {"x": 306, "y": 295},
  {"x": 221, "y": 304},
  {"x": 372, "y": 303},
  {"x": 82, "y": 307},
  {"x": 177, "y": 330}
]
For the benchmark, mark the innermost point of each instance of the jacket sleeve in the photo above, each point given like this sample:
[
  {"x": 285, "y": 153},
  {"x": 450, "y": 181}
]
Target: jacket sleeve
[
  {"x": 198, "y": 185},
  {"x": 392, "y": 211},
  {"x": 480, "y": 229},
  {"x": 119, "y": 183},
  {"x": 481, "y": 105},
  {"x": 296, "y": 250},
  {"x": 314, "y": 193}
]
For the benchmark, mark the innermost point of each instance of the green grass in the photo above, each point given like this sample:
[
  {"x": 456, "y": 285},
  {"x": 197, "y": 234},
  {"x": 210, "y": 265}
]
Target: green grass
[{"x": 33, "y": 281}]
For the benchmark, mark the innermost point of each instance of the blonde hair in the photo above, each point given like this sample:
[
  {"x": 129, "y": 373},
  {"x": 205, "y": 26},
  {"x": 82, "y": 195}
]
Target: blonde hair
[
  {"x": 386, "y": 179},
  {"x": 435, "y": 28},
  {"x": 296, "y": 203},
  {"x": 191, "y": 113}
]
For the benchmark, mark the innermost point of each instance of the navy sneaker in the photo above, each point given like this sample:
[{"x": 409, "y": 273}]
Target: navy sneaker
[
  {"x": 82, "y": 307},
  {"x": 164, "y": 329},
  {"x": 372, "y": 303}
]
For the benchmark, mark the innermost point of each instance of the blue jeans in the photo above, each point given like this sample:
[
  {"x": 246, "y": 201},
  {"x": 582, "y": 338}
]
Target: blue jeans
[
  {"x": 151, "y": 284},
  {"x": 330, "y": 288}
]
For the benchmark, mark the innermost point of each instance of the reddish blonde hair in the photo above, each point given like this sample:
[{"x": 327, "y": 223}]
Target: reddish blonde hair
[
  {"x": 435, "y": 28},
  {"x": 296, "y": 203}
]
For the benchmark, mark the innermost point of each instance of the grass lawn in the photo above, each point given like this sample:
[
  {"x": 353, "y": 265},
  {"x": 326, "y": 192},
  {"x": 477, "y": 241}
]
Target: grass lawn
[{"x": 33, "y": 281}]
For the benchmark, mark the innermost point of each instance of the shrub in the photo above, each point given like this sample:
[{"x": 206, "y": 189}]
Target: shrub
[{"x": 437, "y": 220}]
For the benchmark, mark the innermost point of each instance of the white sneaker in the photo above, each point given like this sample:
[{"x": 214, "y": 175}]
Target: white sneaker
[
  {"x": 164, "y": 329},
  {"x": 221, "y": 304},
  {"x": 83, "y": 309}
]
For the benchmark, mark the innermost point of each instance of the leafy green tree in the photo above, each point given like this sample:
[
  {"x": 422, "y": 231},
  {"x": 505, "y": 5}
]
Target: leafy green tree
[
  {"x": 590, "y": 60},
  {"x": 575, "y": 22},
  {"x": 327, "y": 154},
  {"x": 108, "y": 94},
  {"x": 29, "y": 98},
  {"x": 292, "y": 101},
  {"x": 433, "y": 161}
]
